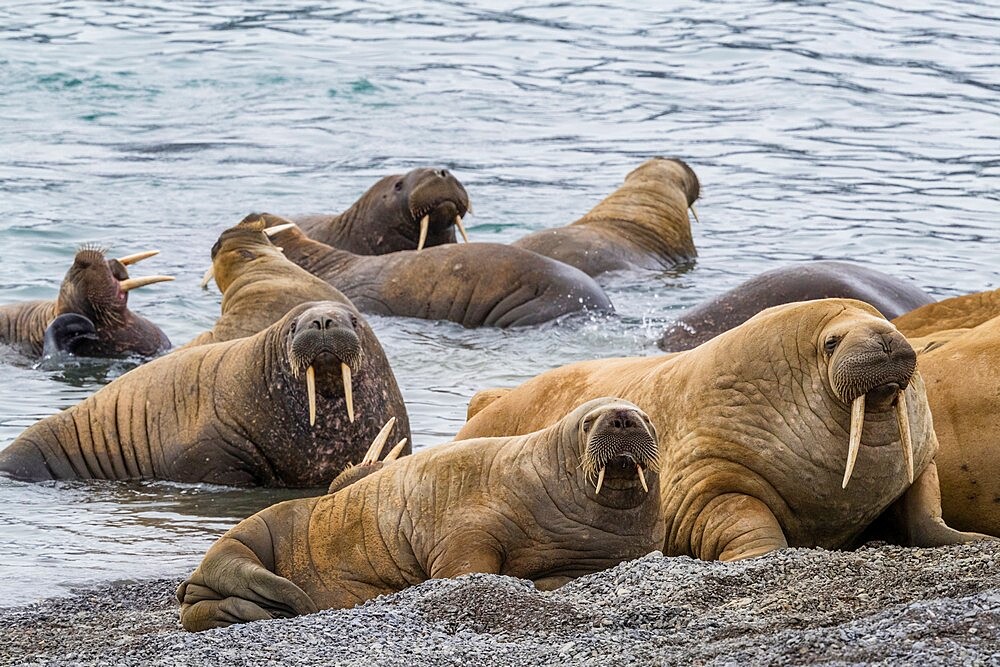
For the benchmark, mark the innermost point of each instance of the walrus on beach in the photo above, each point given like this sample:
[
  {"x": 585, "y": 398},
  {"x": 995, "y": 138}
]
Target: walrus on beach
[
  {"x": 575, "y": 498},
  {"x": 958, "y": 312},
  {"x": 798, "y": 282},
  {"x": 642, "y": 225},
  {"x": 801, "y": 427},
  {"x": 290, "y": 406},
  {"x": 474, "y": 284},
  {"x": 418, "y": 209},
  {"x": 94, "y": 294}
]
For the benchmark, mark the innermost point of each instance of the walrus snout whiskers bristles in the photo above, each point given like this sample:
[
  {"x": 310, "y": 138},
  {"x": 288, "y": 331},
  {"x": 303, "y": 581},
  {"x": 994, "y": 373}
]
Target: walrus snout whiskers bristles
[
  {"x": 319, "y": 336},
  {"x": 619, "y": 434}
]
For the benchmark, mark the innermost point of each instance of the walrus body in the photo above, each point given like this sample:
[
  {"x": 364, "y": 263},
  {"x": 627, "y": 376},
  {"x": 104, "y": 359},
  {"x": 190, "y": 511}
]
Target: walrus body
[
  {"x": 418, "y": 209},
  {"x": 526, "y": 506},
  {"x": 755, "y": 427},
  {"x": 958, "y": 312},
  {"x": 798, "y": 282},
  {"x": 95, "y": 289},
  {"x": 642, "y": 225},
  {"x": 474, "y": 284},
  {"x": 236, "y": 412}
]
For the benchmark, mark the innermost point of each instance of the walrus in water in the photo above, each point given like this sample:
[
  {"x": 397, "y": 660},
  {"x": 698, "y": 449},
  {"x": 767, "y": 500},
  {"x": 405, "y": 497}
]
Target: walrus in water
[
  {"x": 548, "y": 506},
  {"x": 90, "y": 316},
  {"x": 642, "y": 225},
  {"x": 801, "y": 427},
  {"x": 290, "y": 406},
  {"x": 475, "y": 284},
  {"x": 958, "y": 312},
  {"x": 418, "y": 209},
  {"x": 798, "y": 282}
]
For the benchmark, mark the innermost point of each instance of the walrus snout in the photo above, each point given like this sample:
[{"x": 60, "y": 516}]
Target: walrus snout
[
  {"x": 621, "y": 445},
  {"x": 437, "y": 200}
]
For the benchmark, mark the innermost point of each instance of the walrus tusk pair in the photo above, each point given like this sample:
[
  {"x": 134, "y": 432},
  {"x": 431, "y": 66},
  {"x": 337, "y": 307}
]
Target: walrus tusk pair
[
  {"x": 638, "y": 469},
  {"x": 345, "y": 371},
  {"x": 379, "y": 442},
  {"x": 425, "y": 223},
  {"x": 135, "y": 283},
  {"x": 269, "y": 232},
  {"x": 858, "y": 424}
]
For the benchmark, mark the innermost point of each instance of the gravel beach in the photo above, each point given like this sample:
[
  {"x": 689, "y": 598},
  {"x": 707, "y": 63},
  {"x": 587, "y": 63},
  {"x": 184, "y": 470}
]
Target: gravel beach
[{"x": 877, "y": 605}]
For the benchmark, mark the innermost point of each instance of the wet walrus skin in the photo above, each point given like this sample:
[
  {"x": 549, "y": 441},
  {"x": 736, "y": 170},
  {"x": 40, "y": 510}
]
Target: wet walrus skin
[
  {"x": 642, "y": 225},
  {"x": 548, "y": 506},
  {"x": 395, "y": 213},
  {"x": 95, "y": 288},
  {"x": 761, "y": 427},
  {"x": 798, "y": 282},
  {"x": 234, "y": 413},
  {"x": 474, "y": 284}
]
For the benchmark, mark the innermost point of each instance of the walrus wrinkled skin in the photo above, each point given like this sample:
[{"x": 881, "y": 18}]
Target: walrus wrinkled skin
[
  {"x": 236, "y": 412},
  {"x": 761, "y": 428},
  {"x": 798, "y": 282},
  {"x": 96, "y": 289},
  {"x": 410, "y": 211},
  {"x": 958, "y": 312},
  {"x": 642, "y": 225},
  {"x": 474, "y": 284},
  {"x": 548, "y": 506}
]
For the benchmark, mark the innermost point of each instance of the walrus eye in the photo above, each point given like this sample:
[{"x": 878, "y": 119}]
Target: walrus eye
[
  {"x": 831, "y": 344},
  {"x": 291, "y": 330},
  {"x": 246, "y": 254},
  {"x": 398, "y": 186},
  {"x": 216, "y": 248},
  {"x": 354, "y": 321},
  {"x": 588, "y": 423}
]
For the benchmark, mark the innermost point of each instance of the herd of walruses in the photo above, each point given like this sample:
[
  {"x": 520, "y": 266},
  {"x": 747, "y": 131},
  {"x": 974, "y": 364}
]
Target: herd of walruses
[{"x": 788, "y": 411}]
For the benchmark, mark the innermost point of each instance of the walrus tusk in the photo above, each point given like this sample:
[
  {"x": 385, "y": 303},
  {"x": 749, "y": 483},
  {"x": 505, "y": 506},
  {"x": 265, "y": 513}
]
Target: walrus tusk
[
  {"x": 371, "y": 456},
  {"x": 311, "y": 391},
  {"x": 600, "y": 481},
  {"x": 271, "y": 231},
  {"x": 857, "y": 425},
  {"x": 903, "y": 419},
  {"x": 348, "y": 390},
  {"x": 133, "y": 283},
  {"x": 695, "y": 214},
  {"x": 207, "y": 278},
  {"x": 396, "y": 451},
  {"x": 461, "y": 228},
  {"x": 642, "y": 478},
  {"x": 424, "y": 221},
  {"x": 138, "y": 257}
]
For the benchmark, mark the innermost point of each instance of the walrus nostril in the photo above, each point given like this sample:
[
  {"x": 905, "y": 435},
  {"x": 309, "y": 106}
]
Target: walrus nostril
[{"x": 443, "y": 173}]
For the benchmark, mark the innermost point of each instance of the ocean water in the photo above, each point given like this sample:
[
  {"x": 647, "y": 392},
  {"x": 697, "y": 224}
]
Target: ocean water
[{"x": 851, "y": 130}]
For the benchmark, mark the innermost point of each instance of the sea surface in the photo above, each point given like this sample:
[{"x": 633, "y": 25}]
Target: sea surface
[{"x": 866, "y": 131}]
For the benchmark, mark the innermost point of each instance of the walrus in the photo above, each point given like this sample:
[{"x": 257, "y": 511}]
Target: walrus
[
  {"x": 801, "y": 427},
  {"x": 95, "y": 289},
  {"x": 475, "y": 284},
  {"x": 290, "y": 406},
  {"x": 642, "y": 225},
  {"x": 418, "y": 209},
  {"x": 959, "y": 312},
  {"x": 577, "y": 497},
  {"x": 820, "y": 279}
]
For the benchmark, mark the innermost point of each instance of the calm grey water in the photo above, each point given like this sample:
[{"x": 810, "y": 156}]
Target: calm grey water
[{"x": 852, "y": 130}]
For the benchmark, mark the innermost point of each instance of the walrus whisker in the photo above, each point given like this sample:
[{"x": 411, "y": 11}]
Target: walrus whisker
[
  {"x": 857, "y": 425},
  {"x": 642, "y": 477},
  {"x": 424, "y": 222},
  {"x": 371, "y": 456},
  {"x": 903, "y": 419},
  {"x": 137, "y": 257},
  {"x": 311, "y": 391},
  {"x": 207, "y": 278},
  {"x": 600, "y": 481},
  {"x": 271, "y": 231},
  {"x": 348, "y": 390},
  {"x": 461, "y": 228},
  {"x": 396, "y": 451},
  {"x": 134, "y": 283},
  {"x": 694, "y": 213}
]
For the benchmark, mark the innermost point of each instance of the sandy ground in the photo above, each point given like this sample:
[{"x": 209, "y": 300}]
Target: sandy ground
[{"x": 877, "y": 605}]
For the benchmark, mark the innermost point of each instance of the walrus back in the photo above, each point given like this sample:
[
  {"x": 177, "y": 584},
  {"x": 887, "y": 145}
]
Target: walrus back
[{"x": 23, "y": 324}]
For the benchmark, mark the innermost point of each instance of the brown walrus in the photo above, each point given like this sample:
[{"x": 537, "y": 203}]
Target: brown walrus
[
  {"x": 642, "y": 225},
  {"x": 95, "y": 289},
  {"x": 474, "y": 284},
  {"x": 237, "y": 412},
  {"x": 547, "y": 506},
  {"x": 958, "y": 312},
  {"x": 755, "y": 426},
  {"x": 418, "y": 209}
]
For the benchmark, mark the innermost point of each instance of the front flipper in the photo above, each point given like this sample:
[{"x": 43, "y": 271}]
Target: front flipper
[
  {"x": 735, "y": 526},
  {"x": 466, "y": 553},
  {"x": 69, "y": 333}
]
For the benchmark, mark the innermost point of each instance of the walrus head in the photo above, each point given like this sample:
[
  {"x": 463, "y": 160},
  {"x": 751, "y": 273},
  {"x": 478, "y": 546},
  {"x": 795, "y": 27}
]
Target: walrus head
[
  {"x": 424, "y": 206},
  {"x": 670, "y": 170},
  {"x": 618, "y": 448},
  {"x": 323, "y": 342},
  {"x": 238, "y": 246}
]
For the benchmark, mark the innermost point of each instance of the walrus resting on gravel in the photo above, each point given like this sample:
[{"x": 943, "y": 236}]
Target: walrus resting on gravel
[
  {"x": 410, "y": 211},
  {"x": 642, "y": 225},
  {"x": 799, "y": 282},
  {"x": 548, "y": 506},
  {"x": 798, "y": 428},
  {"x": 290, "y": 406},
  {"x": 95, "y": 291},
  {"x": 474, "y": 284},
  {"x": 958, "y": 312}
]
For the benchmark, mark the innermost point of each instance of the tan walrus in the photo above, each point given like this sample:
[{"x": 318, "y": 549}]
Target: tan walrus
[
  {"x": 290, "y": 406},
  {"x": 418, "y": 209},
  {"x": 958, "y": 312},
  {"x": 799, "y": 427},
  {"x": 577, "y": 497},
  {"x": 642, "y": 225},
  {"x": 95, "y": 293}
]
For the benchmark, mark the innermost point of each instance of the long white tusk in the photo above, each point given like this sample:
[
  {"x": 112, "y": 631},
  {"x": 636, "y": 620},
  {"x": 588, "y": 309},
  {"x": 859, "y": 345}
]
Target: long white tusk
[
  {"x": 207, "y": 278},
  {"x": 857, "y": 425},
  {"x": 461, "y": 228},
  {"x": 379, "y": 442},
  {"x": 695, "y": 214},
  {"x": 424, "y": 221},
  {"x": 903, "y": 419},
  {"x": 138, "y": 257},
  {"x": 311, "y": 390},
  {"x": 271, "y": 231},
  {"x": 396, "y": 451},
  {"x": 348, "y": 390},
  {"x": 600, "y": 481},
  {"x": 134, "y": 283},
  {"x": 642, "y": 478}
]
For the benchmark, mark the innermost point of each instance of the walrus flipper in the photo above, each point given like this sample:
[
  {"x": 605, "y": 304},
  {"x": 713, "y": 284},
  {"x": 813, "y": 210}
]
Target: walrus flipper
[
  {"x": 67, "y": 334},
  {"x": 735, "y": 526}
]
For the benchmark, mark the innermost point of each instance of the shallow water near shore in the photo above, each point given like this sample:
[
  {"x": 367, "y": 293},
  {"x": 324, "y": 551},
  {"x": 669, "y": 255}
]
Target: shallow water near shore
[{"x": 851, "y": 131}]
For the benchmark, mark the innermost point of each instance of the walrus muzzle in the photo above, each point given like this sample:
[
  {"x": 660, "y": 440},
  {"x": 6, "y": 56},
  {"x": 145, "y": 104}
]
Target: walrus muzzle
[
  {"x": 440, "y": 196},
  {"x": 622, "y": 440},
  {"x": 325, "y": 340},
  {"x": 873, "y": 374}
]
